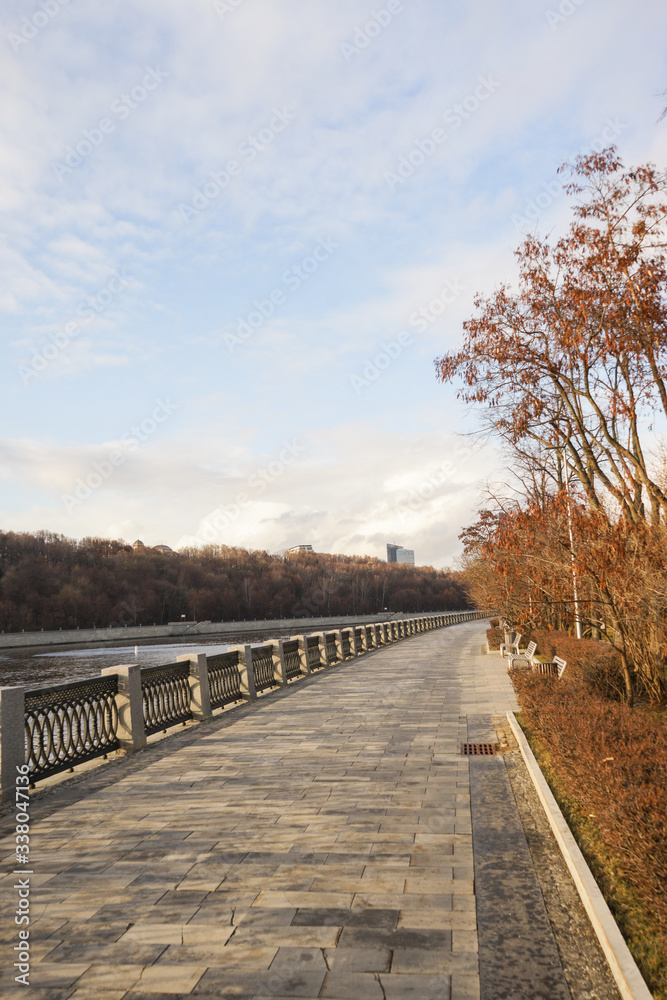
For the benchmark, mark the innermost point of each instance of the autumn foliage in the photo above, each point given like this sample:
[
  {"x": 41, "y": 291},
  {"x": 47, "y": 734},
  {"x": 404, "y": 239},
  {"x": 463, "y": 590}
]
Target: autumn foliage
[{"x": 570, "y": 372}]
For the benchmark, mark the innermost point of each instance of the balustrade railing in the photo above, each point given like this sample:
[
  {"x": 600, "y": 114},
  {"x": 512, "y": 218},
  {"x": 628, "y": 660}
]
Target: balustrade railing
[
  {"x": 224, "y": 679},
  {"x": 292, "y": 658},
  {"x": 313, "y": 647},
  {"x": 166, "y": 696},
  {"x": 262, "y": 665},
  {"x": 331, "y": 650},
  {"x": 67, "y": 724}
]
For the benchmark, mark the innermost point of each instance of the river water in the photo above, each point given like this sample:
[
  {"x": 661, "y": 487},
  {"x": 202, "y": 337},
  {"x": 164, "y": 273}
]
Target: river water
[{"x": 52, "y": 664}]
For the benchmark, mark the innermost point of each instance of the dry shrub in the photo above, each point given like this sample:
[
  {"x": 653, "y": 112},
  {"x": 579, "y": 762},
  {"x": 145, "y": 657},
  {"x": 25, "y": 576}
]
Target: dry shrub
[
  {"x": 598, "y": 664},
  {"x": 495, "y": 636},
  {"x": 610, "y": 765},
  {"x": 495, "y": 623}
]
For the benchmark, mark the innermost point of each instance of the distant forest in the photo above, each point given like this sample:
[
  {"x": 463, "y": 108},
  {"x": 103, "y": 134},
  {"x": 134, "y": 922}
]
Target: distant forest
[{"x": 49, "y": 581}]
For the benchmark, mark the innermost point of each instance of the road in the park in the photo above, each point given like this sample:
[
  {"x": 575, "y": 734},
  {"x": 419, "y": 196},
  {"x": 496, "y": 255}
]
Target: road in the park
[{"x": 327, "y": 841}]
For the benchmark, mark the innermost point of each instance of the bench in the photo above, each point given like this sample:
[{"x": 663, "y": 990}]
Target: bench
[
  {"x": 553, "y": 668},
  {"x": 528, "y": 656},
  {"x": 512, "y": 646}
]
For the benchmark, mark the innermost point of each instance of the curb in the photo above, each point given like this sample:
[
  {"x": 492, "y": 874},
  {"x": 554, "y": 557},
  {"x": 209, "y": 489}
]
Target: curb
[{"x": 623, "y": 967}]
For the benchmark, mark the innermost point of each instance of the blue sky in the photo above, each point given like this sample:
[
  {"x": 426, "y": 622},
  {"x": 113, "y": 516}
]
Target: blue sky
[{"x": 220, "y": 221}]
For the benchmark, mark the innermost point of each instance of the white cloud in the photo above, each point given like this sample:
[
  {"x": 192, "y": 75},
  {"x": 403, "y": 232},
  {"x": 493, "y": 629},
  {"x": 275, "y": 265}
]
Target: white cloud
[{"x": 323, "y": 174}]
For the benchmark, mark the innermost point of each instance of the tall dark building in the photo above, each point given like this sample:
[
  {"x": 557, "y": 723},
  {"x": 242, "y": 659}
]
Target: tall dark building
[{"x": 397, "y": 554}]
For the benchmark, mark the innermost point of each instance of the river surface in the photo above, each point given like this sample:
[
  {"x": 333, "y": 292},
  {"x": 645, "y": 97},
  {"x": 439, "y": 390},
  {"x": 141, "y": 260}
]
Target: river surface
[{"x": 52, "y": 664}]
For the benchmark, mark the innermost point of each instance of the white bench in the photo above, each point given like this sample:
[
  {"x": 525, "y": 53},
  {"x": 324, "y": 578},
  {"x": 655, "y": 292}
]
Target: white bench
[
  {"x": 528, "y": 656},
  {"x": 553, "y": 668},
  {"x": 512, "y": 646}
]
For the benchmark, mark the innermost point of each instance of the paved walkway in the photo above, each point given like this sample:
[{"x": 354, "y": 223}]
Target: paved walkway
[{"x": 317, "y": 844}]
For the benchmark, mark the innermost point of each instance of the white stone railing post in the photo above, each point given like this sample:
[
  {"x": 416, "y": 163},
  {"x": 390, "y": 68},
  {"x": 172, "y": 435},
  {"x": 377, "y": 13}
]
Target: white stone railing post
[
  {"x": 12, "y": 738},
  {"x": 279, "y": 672},
  {"x": 200, "y": 692},
  {"x": 246, "y": 672},
  {"x": 338, "y": 636},
  {"x": 130, "y": 705}
]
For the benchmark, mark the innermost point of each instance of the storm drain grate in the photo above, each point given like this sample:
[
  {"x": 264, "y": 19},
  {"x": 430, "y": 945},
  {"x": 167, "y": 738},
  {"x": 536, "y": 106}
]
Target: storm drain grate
[{"x": 479, "y": 749}]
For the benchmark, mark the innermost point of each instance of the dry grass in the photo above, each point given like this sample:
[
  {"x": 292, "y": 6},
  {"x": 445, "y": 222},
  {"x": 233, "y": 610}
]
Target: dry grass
[{"x": 607, "y": 766}]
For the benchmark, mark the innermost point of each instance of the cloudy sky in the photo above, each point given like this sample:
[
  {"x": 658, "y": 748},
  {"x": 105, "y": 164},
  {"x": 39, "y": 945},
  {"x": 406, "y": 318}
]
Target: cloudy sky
[{"x": 234, "y": 234}]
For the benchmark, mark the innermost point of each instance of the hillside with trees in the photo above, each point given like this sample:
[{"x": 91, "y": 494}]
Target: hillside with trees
[{"x": 49, "y": 581}]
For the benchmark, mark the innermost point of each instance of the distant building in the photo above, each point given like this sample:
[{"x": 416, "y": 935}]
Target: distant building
[
  {"x": 397, "y": 554},
  {"x": 138, "y": 545},
  {"x": 164, "y": 549},
  {"x": 300, "y": 548}
]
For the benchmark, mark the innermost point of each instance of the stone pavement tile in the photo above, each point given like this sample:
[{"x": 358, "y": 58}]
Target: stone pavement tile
[
  {"x": 116, "y": 914},
  {"x": 358, "y": 959},
  {"x": 219, "y": 903},
  {"x": 377, "y": 937},
  {"x": 123, "y": 953},
  {"x": 202, "y": 884},
  {"x": 36, "y": 993},
  {"x": 403, "y": 901},
  {"x": 153, "y": 933},
  {"x": 385, "y": 919},
  {"x": 110, "y": 977},
  {"x": 415, "y": 987},
  {"x": 423, "y": 960},
  {"x": 351, "y": 986},
  {"x": 247, "y": 985},
  {"x": 93, "y": 993},
  {"x": 435, "y": 885},
  {"x": 314, "y": 899},
  {"x": 465, "y": 987},
  {"x": 169, "y": 914},
  {"x": 170, "y": 979},
  {"x": 235, "y": 956},
  {"x": 293, "y": 937},
  {"x": 257, "y": 917},
  {"x": 464, "y": 940},
  {"x": 200, "y": 935},
  {"x": 43, "y": 950},
  {"x": 60, "y": 975},
  {"x": 438, "y": 919},
  {"x": 299, "y": 958},
  {"x": 463, "y": 903},
  {"x": 72, "y": 930}
]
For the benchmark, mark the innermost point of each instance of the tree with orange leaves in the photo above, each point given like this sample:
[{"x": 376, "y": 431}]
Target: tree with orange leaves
[
  {"x": 578, "y": 357},
  {"x": 568, "y": 371}
]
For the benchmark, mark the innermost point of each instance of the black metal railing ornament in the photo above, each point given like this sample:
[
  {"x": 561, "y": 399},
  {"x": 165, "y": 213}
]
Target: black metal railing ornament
[
  {"x": 67, "y": 724},
  {"x": 262, "y": 665},
  {"x": 332, "y": 651},
  {"x": 313, "y": 646},
  {"x": 292, "y": 658},
  {"x": 166, "y": 696},
  {"x": 224, "y": 679}
]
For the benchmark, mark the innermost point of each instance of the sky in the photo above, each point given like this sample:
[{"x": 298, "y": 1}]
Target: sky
[{"x": 235, "y": 234}]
